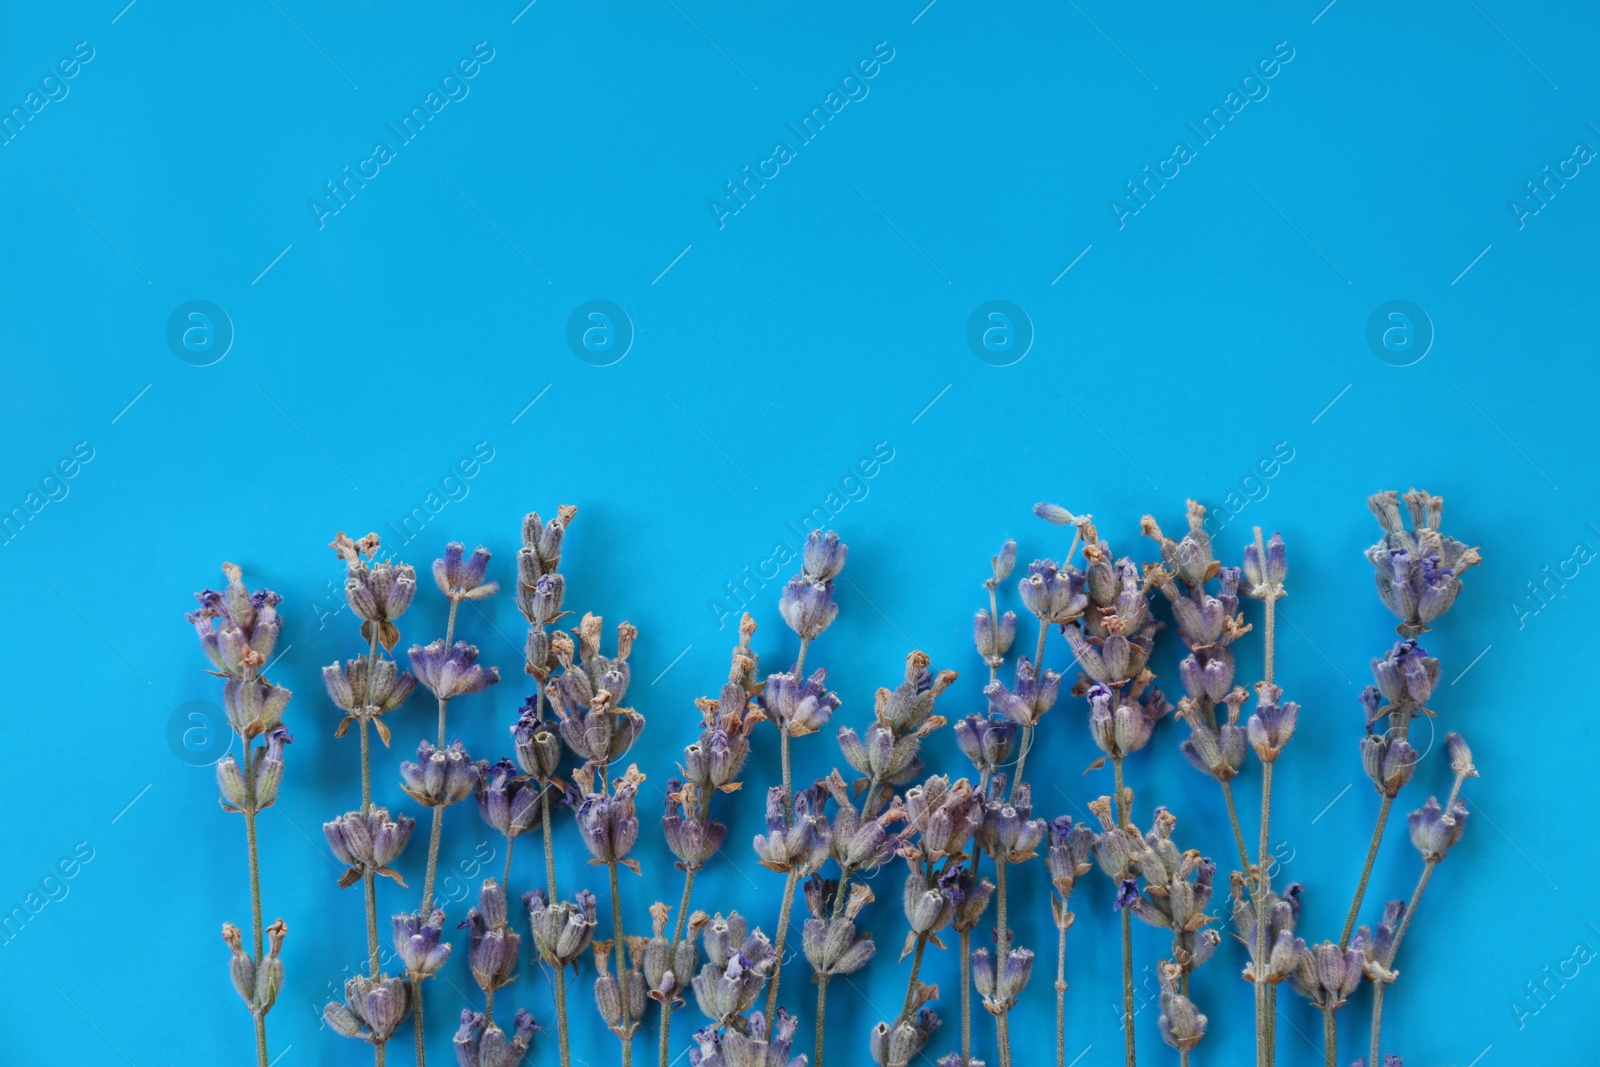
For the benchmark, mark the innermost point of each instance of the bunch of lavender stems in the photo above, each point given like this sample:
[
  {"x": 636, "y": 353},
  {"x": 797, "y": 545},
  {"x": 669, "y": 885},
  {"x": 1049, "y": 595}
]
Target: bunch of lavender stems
[
  {"x": 860, "y": 841},
  {"x": 238, "y": 631},
  {"x": 1434, "y": 831},
  {"x": 368, "y": 840},
  {"x": 711, "y": 764},
  {"x": 808, "y": 607},
  {"x": 1418, "y": 573},
  {"x": 540, "y": 591}
]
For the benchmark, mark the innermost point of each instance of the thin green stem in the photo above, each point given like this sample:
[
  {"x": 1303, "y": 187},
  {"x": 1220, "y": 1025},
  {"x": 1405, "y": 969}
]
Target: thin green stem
[
  {"x": 255, "y": 889},
  {"x": 965, "y": 937},
  {"x": 783, "y": 932},
  {"x": 822, "y": 1013},
  {"x": 1330, "y": 1039},
  {"x": 616, "y": 937},
  {"x": 1061, "y": 996},
  {"x": 433, "y": 861},
  {"x": 1002, "y": 944},
  {"x": 1266, "y": 1024},
  {"x": 1366, "y": 871},
  {"x": 1238, "y": 833}
]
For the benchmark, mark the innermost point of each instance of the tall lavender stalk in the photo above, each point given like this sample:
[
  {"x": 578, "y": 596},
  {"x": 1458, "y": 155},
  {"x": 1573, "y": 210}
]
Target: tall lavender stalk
[
  {"x": 808, "y": 607},
  {"x": 368, "y": 840},
  {"x": 1068, "y": 860},
  {"x": 238, "y": 632},
  {"x": 1010, "y": 835}
]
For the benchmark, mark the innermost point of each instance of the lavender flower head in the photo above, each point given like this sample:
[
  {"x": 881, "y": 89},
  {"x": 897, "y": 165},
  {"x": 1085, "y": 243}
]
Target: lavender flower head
[
  {"x": 798, "y": 707},
  {"x": 908, "y": 707},
  {"x": 1326, "y": 975},
  {"x": 267, "y": 775},
  {"x": 1406, "y": 677},
  {"x": 537, "y": 742},
  {"x": 833, "y": 945},
  {"x": 539, "y": 587},
  {"x": 669, "y": 967},
  {"x": 823, "y": 557},
  {"x": 1418, "y": 570},
  {"x": 561, "y": 931},
  {"x": 1000, "y": 988},
  {"x": 1123, "y": 725},
  {"x": 1181, "y": 1023},
  {"x": 899, "y": 1044},
  {"x": 373, "y": 1008},
  {"x": 808, "y": 606},
  {"x": 1272, "y": 725},
  {"x": 1009, "y": 832},
  {"x": 379, "y": 593},
  {"x": 1030, "y": 696},
  {"x": 1264, "y": 575},
  {"x": 1281, "y": 950},
  {"x": 747, "y": 1045},
  {"x": 690, "y": 836},
  {"x": 480, "y": 1043},
  {"x": 881, "y": 757},
  {"x": 368, "y": 842},
  {"x": 985, "y": 741},
  {"x": 796, "y": 841},
  {"x": 493, "y": 946},
  {"x": 463, "y": 578},
  {"x": 1435, "y": 831},
  {"x": 451, "y": 671},
  {"x": 441, "y": 776},
  {"x": 419, "y": 942},
  {"x": 609, "y": 825},
  {"x": 367, "y": 689},
  {"x": 943, "y": 815},
  {"x": 238, "y": 630},
  {"x": 1377, "y": 949},
  {"x": 507, "y": 801},
  {"x": 257, "y": 983},
  {"x": 738, "y": 964},
  {"x": 1071, "y": 846},
  {"x": 1054, "y": 594}
]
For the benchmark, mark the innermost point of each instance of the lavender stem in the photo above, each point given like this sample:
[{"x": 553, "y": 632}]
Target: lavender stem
[
  {"x": 255, "y": 890},
  {"x": 777, "y": 944},
  {"x": 1061, "y": 997},
  {"x": 1366, "y": 871},
  {"x": 1330, "y": 1039},
  {"x": 1123, "y": 815},
  {"x": 616, "y": 937}
]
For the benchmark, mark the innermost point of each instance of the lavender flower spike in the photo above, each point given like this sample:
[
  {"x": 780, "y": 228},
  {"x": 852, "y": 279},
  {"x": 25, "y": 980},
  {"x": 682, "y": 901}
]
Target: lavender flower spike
[
  {"x": 379, "y": 593},
  {"x": 493, "y": 946},
  {"x": 451, "y": 672},
  {"x": 808, "y": 606},
  {"x": 373, "y": 1008},
  {"x": 441, "y": 776},
  {"x": 419, "y": 942},
  {"x": 368, "y": 842},
  {"x": 507, "y": 802}
]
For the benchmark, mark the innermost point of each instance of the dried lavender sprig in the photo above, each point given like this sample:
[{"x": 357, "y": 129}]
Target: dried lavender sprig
[
  {"x": 238, "y": 631},
  {"x": 1011, "y": 835},
  {"x": 1068, "y": 860},
  {"x": 1418, "y": 572},
  {"x": 1434, "y": 830}
]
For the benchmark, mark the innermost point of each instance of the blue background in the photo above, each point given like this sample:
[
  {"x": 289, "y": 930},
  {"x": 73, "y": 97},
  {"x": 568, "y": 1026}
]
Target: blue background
[{"x": 825, "y": 319}]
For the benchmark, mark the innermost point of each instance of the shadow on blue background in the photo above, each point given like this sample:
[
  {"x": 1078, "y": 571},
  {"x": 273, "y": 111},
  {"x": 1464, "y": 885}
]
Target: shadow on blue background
[{"x": 771, "y": 319}]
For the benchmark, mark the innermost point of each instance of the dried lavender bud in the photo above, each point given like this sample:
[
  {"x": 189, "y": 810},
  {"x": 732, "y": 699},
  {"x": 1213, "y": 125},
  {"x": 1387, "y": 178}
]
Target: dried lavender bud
[
  {"x": 541, "y": 541},
  {"x": 667, "y": 968},
  {"x": 882, "y": 757},
  {"x": 562, "y": 931},
  {"x": 1460, "y": 756},
  {"x": 747, "y": 1044},
  {"x": 808, "y": 606},
  {"x": 794, "y": 843},
  {"x": 379, "y": 593},
  {"x": 994, "y": 638},
  {"x": 858, "y": 844},
  {"x": 492, "y": 945},
  {"x": 537, "y": 742},
  {"x": 506, "y": 801},
  {"x": 1435, "y": 831},
  {"x": 833, "y": 946},
  {"x": 1326, "y": 975},
  {"x": 1055, "y": 514},
  {"x": 823, "y": 556},
  {"x": 1207, "y": 674},
  {"x": 621, "y": 997},
  {"x": 798, "y": 707},
  {"x": 1189, "y": 559},
  {"x": 1000, "y": 991},
  {"x": 690, "y": 837},
  {"x": 1418, "y": 571},
  {"x": 1388, "y": 761},
  {"x": 1001, "y": 564},
  {"x": 1113, "y": 660},
  {"x": 369, "y": 842},
  {"x": 1009, "y": 833},
  {"x": 986, "y": 741},
  {"x": 1214, "y": 748},
  {"x": 1053, "y": 595},
  {"x": 1069, "y": 852},
  {"x": 738, "y": 964},
  {"x": 1377, "y": 949},
  {"x": 373, "y": 1008},
  {"x": 1406, "y": 675},
  {"x": 230, "y": 781},
  {"x": 908, "y": 707},
  {"x": 358, "y": 684},
  {"x": 1123, "y": 726},
  {"x": 419, "y": 942},
  {"x": 269, "y": 767},
  {"x": 1026, "y": 702},
  {"x": 441, "y": 776},
  {"x": 898, "y": 1045},
  {"x": 945, "y": 814},
  {"x": 1281, "y": 947},
  {"x": 598, "y": 731},
  {"x": 1272, "y": 725},
  {"x": 609, "y": 825},
  {"x": 480, "y": 1043},
  {"x": 929, "y": 902},
  {"x": 463, "y": 579},
  {"x": 609, "y": 673},
  {"x": 972, "y": 900},
  {"x": 257, "y": 984},
  {"x": 1182, "y": 1026},
  {"x": 1264, "y": 579},
  {"x": 238, "y": 630},
  {"x": 453, "y": 671},
  {"x": 254, "y": 705}
]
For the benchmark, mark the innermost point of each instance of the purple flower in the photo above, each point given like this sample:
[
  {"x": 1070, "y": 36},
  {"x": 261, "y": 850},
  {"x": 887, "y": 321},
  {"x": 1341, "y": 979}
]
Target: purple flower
[
  {"x": 238, "y": 630},
  {"x": 609, "y": 825},
  {"x": 1001, "y": 990},
  {"x": 1418, "y": 570},
  {"x": 1263, "y": 579},
  {"x": 380, "y": 592},
  {"x": 258, "y": 983},
  {"x": 369, "y": 842},
  {"x": 373, "y": 1008},
  {"x": 1127, "y": 894},
  {"x": 357, "y": 685},
  {"x": 562, "y": 931},
  {"x": 1189, "y": 559},
  {"x": 480, "y": 1043},
  {"x": 269, "y": 767},
  {"x": 1111, "y": 660},
  {"x": 1051, "y": 594},
  {"x": 985, "y": 741},
  {"x": 1377, "y": 950},
  {"x": 507, "y": 802},
  {"x": 747, "y": 1043},
  {"x": 945, "y": 814},
  {"x": 492, "y": 945},
  {"x": 463, "y": 579},
  {"x": 538, "y": 743},
  {"x": 897, "y": 1045},
  {"x": 419, "y": 942},
  {"x": 1326, "y": 975},
  {"x": 1009, "y": 832},
  {"x": 1181, "y": 1024},
  {"x": 254, "y": 705},
  {"x": 452, "y": 671},
  {"x": 1068, "y": 856},
  {"x": 807, "y": 606},
  {"x": 881, "y": 756},
  {"x": 1029, "y": 698},
  {"x": 823, "y": 556},
  {"x": 794, "y": 842},
  {"x": 1121, "y": 726},
  {"x": 441, "y": 776},
  {"x": 798, "y": 707},
  {"x": 738, "y": 965},
  {"x": 1388, "y": 761},
  {"x": 600, "y": 732},
  {"x": 1435, "y": 831},
  {"x": 833, "y": 946},
  {"x": 691, "y": 837},
  {"x": 1406, "y": 675},
  {"x": 1272, "y": 724}
]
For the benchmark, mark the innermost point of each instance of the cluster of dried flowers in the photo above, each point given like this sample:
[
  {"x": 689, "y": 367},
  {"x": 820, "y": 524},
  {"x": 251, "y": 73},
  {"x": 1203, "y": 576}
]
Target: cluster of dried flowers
[{"x": 959, "y": 836}]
